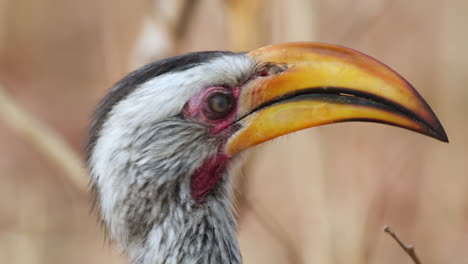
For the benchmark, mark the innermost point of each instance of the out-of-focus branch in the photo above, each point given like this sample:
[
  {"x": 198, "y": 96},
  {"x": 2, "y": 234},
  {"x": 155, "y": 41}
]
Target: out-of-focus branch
[
  {"x": 409, "y": 249},
  {"x": 46, "y": 141},
  {"x": 184, "y": 18},
  {"x": 244, "y": 23}
]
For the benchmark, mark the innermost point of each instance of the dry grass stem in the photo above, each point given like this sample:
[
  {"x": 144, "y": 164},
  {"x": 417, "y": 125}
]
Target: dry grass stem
[
  {"x": 409, "y": 249},
  {"x": 46, "y": 141}
]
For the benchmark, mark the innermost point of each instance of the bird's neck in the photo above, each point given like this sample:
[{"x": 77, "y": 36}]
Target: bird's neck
[
  {"x": 201, "y": 234},
  {"x": 156, "y": 206}
]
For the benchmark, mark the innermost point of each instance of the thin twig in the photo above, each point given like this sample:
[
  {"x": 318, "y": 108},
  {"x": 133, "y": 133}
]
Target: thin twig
[
  {"x": 45, "y": 140},
  {"x": 409, "y": 249}
]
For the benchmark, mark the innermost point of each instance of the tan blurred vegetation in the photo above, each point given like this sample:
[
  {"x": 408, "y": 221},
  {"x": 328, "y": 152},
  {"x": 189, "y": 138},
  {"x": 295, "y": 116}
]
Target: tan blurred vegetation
[{"x": 318, "y": 196}]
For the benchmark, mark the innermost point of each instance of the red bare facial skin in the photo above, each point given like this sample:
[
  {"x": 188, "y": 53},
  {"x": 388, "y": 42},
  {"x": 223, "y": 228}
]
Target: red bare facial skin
[
  {"x": 194, "y": 109},
  {"x": 207, "y": 176}
]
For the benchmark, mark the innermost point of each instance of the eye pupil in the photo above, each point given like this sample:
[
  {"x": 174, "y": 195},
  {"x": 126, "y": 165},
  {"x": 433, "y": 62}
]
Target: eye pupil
[{"x": 220, "y": 104}]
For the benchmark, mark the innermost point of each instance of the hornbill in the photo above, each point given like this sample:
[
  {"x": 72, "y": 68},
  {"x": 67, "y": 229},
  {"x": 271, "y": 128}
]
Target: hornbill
[{"x": 164, "y": 139}]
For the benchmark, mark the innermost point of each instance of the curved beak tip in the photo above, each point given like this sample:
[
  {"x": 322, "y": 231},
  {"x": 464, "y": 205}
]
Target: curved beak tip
[{"x": 439, "y": 133}]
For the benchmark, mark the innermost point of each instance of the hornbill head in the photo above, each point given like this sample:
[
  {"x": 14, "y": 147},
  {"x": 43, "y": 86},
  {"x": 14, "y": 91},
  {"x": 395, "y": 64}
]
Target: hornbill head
[{"x": 165, "y": 137}]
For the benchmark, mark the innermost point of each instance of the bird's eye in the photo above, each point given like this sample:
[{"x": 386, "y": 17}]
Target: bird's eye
[{"x": 220, "y": 104}]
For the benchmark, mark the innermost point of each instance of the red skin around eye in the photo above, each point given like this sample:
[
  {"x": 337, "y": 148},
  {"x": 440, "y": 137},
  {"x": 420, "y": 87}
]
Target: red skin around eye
[
  {"x": 208, "y": 175},
  {"x": 194, "y": 109}
]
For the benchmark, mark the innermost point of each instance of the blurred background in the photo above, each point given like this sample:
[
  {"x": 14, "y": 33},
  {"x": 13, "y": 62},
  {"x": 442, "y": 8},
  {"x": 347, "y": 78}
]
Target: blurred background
[{"x": 334, "y": 188}]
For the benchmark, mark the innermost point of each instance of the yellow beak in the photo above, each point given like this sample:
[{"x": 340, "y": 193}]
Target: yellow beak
[{"x": 313, "y": 84}]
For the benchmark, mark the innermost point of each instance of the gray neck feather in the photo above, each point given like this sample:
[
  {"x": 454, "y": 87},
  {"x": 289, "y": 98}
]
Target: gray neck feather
[
  {"x": 145, "y": 198},
  {"x": 204, "y": 234}
]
